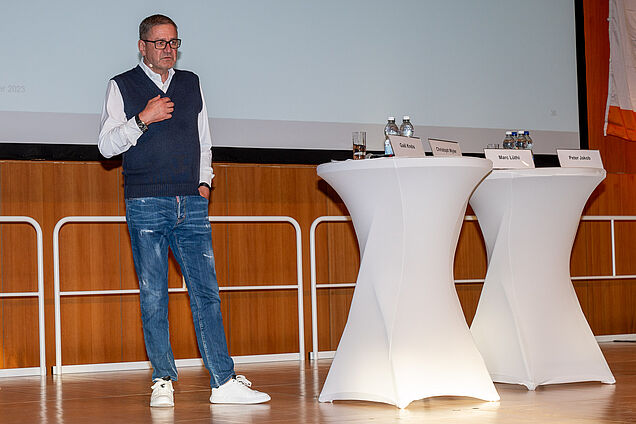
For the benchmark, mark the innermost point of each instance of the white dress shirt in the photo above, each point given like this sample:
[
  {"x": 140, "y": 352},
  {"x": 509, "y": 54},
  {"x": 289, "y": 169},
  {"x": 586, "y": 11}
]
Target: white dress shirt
[{"x": 116, "y": 134}]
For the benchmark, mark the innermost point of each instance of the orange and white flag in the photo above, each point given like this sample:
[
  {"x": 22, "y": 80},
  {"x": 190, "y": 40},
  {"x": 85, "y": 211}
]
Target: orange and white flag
[{"x": 620, "y": 113}]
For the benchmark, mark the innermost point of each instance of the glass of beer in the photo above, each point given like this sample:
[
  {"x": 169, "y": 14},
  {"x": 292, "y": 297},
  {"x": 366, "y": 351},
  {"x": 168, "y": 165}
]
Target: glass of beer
[{"x": 359, "y": 144}]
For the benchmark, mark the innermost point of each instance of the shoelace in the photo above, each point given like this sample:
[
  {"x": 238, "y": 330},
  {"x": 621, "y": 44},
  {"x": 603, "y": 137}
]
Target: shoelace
[
  {"x": 244, "y": 381},
  {"x": 163, "y": 384}
]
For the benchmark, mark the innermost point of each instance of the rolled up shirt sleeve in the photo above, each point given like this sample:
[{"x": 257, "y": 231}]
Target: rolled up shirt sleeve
[
  {"x": 205, "y": 139},
  {"x": 116, "y": 134}
]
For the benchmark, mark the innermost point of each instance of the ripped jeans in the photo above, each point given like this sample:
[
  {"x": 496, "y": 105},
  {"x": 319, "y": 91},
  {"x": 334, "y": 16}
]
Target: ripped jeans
[{"x": 181, "y": 223}]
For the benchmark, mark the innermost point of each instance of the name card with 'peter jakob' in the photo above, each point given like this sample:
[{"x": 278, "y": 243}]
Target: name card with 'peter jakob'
[{"x": 580, "y": 158}]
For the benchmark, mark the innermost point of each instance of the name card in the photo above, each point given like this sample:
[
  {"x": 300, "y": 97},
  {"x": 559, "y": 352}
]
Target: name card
[
  {"x": 444, "y": 148},
  {"x": 407, "y": 147},
  {"x": 509, "y": 158},
  {"x": 580, "y": 158}
]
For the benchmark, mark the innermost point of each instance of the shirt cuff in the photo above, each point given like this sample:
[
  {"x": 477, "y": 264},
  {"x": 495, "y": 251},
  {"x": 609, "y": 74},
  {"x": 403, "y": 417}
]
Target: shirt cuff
[{"x": 132, "y": 131}]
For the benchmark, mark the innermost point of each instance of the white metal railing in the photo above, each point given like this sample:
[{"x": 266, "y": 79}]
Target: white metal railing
[
  {"x": 41, "y": 370},
  {"x": 314, "y": 286},
  {"x": 58, "y": 293},
  {"x": 612, "y": 219}
]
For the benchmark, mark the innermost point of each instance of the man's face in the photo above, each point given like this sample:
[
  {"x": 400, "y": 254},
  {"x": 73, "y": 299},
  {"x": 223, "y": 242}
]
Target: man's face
[{"x": 159, "y": 60}]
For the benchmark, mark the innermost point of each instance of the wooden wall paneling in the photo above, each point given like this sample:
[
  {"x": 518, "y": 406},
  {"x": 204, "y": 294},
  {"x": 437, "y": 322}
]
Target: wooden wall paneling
[
  {"x": 596, "y": 52},
  {"x": 2, "y": 324},
  {"x": 91, "y": 329},
  {"x": 592, "y": 247},
  {"x": 471, "y": 262},
  {"x": 578, "y": 257},
  {"x": 18, "y": 259},
  {"x": 340, "y": 303},
  {"x": 260, "y": 254},
  {"x": 312, "y": 200},
  {"x": 598, "y": 240},
  {"x": 469, "y": 294},
  {"x": 218, "y": 207},
  {"x": 92, "y": 325},
  {"x": 626, "y": 231},
  {"x": 608, "y": 305},
  {"x": 339, "y": 265},
  {"x": 89, "y": 260},
  {"x": 630, "y": 158},
  {"x": 133, "y": 348},
  {"x": 610, "y": 200},
  {"x": 309, "y": 202},
  {"x": 582, "y": 290},
  {"x": 626, "y": 248},
  {"x": 323, "y": 314},
  {"x": 628, "y": 193},
  {"x": 19, "y": 316},
  {"x": 132, "y": 338},
  {"x": 182, "y": 335},
  {"x": 470, "y": 255},
  {"x": 21, "y": 192},
  {"x": 612, "y": 309},
  {"x": 344, "y": 263},
  {"x": 20, "y": 343}
]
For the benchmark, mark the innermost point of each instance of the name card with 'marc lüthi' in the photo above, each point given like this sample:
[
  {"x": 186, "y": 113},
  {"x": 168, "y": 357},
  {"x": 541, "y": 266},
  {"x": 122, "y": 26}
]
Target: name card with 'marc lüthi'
[{"x": 509, "y": 158}]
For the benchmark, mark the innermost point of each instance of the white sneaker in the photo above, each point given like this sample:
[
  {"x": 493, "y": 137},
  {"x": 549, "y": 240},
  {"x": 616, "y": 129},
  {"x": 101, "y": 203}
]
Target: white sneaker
[
  {"x": 162, "y": 395},
  {"x": 237, "y": 390}
]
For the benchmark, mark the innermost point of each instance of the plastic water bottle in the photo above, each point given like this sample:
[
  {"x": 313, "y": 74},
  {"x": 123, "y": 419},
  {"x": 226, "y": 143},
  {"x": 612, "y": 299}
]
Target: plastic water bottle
[
  {"x": 390, "y": 129},
  {"x": 508, "y": 142},
  {"x": 520, "y": 141},
  {"x": 514, "y": 140},
  {"x": 528, "y": 140},
  {"x": 406, "y": 129}
]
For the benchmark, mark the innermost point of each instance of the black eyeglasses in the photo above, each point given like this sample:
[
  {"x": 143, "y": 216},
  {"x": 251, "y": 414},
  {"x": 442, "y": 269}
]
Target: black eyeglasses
[{"x": 175, "y": 43}]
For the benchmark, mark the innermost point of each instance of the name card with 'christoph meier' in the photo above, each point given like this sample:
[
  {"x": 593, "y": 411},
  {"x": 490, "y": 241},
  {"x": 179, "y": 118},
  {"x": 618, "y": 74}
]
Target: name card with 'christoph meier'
[
  {"x": 444, "y": 148},
  {"x": 580, "y": 158},
  {"x": 407, "y": 147},
  {"x": 509, "y": 158}
]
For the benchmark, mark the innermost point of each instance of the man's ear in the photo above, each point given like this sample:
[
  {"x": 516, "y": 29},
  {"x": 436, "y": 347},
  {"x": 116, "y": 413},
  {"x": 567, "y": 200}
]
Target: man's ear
[{"x": 142, "y": 48}]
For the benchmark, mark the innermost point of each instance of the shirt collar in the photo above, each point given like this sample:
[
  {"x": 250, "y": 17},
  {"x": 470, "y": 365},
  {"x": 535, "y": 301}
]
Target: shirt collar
[{"x": 155, "y": 77}]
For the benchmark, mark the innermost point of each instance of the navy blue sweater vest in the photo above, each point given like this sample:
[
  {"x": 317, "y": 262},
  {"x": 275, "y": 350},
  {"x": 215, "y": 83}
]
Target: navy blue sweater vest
[{"x": 165, "y": 161}]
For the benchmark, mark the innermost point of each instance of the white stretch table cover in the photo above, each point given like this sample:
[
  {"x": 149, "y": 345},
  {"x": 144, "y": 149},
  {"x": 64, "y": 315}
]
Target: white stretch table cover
[
  {"x": 529, "y": 326},
  {"x": 406, "y": 337}
]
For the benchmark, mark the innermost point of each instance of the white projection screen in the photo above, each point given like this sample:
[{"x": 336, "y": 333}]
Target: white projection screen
[{"x": 295, "y": 74}]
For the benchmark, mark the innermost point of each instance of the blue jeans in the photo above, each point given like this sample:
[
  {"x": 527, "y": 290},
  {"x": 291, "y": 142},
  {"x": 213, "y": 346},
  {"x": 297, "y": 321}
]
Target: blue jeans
[{"x": 181, "y": 223}]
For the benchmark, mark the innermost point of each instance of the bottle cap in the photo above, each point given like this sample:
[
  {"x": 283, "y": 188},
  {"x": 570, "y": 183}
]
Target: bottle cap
[
  {"x": 391, "y": 118},
  {"x": 526, "y": 132},
  {"x": 406, "y": 117},
  {"x": 508, "y": 132},
  {"x": 519, "y": 131}
]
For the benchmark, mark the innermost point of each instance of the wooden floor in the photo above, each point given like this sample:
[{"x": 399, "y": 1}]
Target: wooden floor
[{"x": 122, "y": 397}]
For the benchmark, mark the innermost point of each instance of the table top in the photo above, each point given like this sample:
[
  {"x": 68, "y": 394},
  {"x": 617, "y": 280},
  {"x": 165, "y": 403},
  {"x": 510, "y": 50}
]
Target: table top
[
  {"x": 545, "y": 172},
  {"x": 393, "y": 162}
]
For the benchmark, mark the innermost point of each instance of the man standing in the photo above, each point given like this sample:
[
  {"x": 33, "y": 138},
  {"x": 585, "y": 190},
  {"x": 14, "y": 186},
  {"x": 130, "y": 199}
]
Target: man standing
[{"x": 156, "y": 116}]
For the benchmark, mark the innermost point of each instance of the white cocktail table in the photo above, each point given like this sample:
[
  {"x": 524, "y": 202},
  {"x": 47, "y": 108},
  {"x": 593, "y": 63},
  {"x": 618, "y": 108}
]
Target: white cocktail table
[
  {"x": 406, "y": 337},
  {"x": 529, "y": 326}
]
